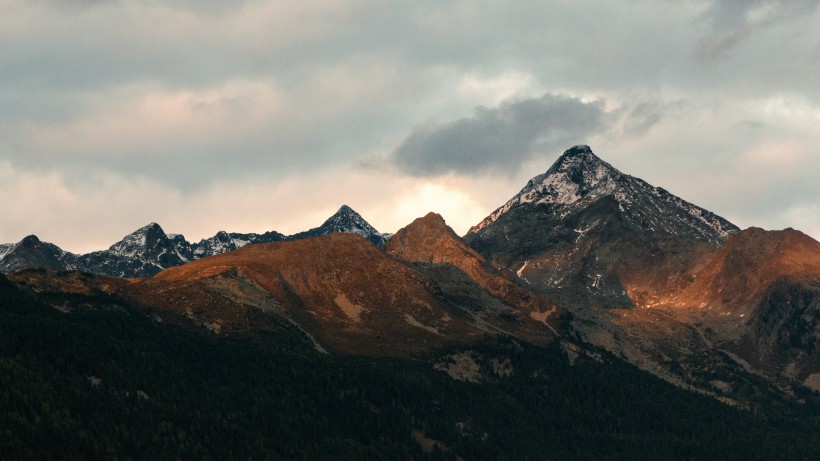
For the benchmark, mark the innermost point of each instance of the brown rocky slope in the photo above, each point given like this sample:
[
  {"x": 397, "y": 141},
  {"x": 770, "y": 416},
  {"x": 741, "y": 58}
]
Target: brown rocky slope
[{"x": 434, "y": 249}]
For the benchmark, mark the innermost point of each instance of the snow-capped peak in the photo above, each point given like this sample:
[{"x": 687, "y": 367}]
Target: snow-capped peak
[
  {"x": 136, "y": 243},
  {"x": 344, "y": 220},
  {"x": 577, "y": 175},
  {"x": 348, "y": 220},
  {"x": 579, "y": 178}
]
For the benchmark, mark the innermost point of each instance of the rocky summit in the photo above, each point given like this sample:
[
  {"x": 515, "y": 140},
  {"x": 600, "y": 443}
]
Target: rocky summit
[
  {"x": 586, "y": 232},
  {"x": 31, "y": 252},
  {"x": 345, "y": 220}
]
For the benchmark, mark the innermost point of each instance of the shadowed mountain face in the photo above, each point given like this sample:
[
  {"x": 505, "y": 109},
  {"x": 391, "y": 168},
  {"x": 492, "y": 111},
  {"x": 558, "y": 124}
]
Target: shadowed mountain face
[{"x": 583, "y": 232}]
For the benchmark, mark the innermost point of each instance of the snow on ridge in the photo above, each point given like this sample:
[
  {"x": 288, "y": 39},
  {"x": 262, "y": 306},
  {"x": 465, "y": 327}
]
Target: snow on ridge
[{"x": 6, "y": 248}]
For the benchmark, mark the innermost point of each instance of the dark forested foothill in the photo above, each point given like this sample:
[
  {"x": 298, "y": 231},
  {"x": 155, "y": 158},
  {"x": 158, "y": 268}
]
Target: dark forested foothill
[{"x": 105, "y": 381}]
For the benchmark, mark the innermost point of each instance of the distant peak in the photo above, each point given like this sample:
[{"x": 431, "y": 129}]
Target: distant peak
[
  {"x": 577, "y": 157},
  {"x": 151, "y": 227},
  {"x": 346, "y": 210},
  {"x": 430, "y": 222},
  {"x": 578, "y": 149},
  {"x": 346, "y": 215},
  {"x": 30, "y": 240},
  {"x": 433, "y": 216}
]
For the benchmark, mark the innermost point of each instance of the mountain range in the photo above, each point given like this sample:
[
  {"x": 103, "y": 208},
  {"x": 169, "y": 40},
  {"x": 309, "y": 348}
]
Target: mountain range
[
  {"x": 583, "y": 256},
  {"x": 148, "y": 250}
]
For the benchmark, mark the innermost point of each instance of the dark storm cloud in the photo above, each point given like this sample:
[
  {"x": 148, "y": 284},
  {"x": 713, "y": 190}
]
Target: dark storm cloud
[{"x": 500, "y": 138}]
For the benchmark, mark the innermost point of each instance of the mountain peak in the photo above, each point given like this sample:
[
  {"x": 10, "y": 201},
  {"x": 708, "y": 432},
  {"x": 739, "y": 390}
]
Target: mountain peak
[
  {"x": 578, "y": 165},
  {"x": 576, "y": 174},
  {"x": 150, "y": 244},
  {"x": 579, "y": 157},
  {"x": 346, "y": 219},
  {"x": 582, "y": 151},
  {"x": 344, "y": 209},
  {"x": 150, "y": 227},
  {"x": 432, "y": 219},
  {"x": 429, "y": 239},
  {"x": 30, "y": 241}
]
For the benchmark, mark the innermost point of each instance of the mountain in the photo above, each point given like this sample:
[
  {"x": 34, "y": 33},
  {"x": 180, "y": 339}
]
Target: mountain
[
  {"x": 349, "y": 295},
  {"x": 583, "y": 251},
  {"x": 585, "y": 232},
  {"x": 223, "y": 242},
  {"x": 759, "y": 296},
  {"x": 33, "y": 253},
  {"x": 345, "y": 220},
  {"x": 465, "y": 277},
  {"x": 142, "y": 253},
  {"x": 344, "y": 294},
  {"x": 665, "y": 284},
  {"x": 148, "y": 250}
]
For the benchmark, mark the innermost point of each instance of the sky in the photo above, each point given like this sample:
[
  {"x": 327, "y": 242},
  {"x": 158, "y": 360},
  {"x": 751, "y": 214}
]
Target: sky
[{"x": 249, "y": 116}]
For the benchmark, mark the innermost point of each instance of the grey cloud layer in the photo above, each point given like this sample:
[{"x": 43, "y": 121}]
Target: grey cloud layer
[{"x": 500, "y": 138}]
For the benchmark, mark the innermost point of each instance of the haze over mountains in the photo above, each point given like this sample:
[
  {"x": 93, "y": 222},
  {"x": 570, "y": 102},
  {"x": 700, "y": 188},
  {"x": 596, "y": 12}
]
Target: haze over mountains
[{"x": 584, "y": 253}]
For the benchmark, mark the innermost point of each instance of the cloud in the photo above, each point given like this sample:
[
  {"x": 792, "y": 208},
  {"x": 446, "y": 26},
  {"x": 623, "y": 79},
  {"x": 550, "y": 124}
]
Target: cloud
[
  {"x": 731, "y": 22},
  {"x": 181, "y": 98},
  {"x": 500, "y": 138},
  {"x": 91, "y": 215}
]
